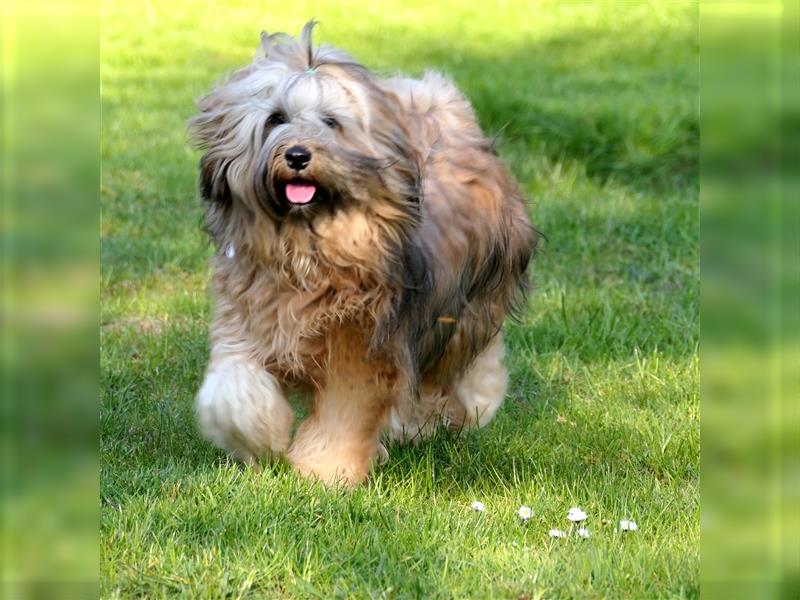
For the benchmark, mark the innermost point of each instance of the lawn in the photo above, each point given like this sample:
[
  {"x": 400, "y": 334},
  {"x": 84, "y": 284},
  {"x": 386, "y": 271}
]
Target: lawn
[{"x": 596, "y": 106}]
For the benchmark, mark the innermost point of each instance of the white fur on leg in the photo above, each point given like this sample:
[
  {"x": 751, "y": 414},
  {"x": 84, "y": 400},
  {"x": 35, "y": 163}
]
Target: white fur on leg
[
  {"x": 241, "y": 408},
  {"x": 482, "y": 388}
]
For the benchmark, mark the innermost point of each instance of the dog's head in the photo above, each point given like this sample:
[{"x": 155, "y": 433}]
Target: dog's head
[{"x": 304, "y": 130}]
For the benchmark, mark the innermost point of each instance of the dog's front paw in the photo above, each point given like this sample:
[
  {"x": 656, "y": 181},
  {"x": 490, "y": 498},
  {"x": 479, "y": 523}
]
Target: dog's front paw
[
  {"x": 330, "y": 472},
  {"x": 333, "y": 461},
  {"x": 241, "y": 408}
]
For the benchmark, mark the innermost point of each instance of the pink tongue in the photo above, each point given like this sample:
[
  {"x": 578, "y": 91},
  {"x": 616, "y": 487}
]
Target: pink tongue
[{"x": 300, "y": 193}]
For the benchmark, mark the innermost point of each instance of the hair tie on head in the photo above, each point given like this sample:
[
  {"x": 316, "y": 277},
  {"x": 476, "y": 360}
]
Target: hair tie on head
[{"x": 311, "y": 71}]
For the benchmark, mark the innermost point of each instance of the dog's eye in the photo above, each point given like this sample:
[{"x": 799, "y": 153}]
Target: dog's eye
[
  {"x": 276, "y": 118},
  {"x": 330, "y": 122}
]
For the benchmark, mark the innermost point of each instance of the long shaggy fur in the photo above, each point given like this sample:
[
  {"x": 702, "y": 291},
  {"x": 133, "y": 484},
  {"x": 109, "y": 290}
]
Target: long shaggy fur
[{"x": 385, "y": 295}]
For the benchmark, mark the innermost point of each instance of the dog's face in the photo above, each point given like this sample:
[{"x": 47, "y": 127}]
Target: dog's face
[{"x": 303, "y": 131}]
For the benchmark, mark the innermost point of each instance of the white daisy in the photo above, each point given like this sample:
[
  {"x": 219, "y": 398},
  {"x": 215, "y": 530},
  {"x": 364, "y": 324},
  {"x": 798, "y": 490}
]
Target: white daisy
[
  {"x": 557, "y": 533},
  {"x": 576, "y": 515},
  {"x": 477, "y": 505},
  {"x": 584, "y": 533},
  {"x": 626, "y": 525},
  {"x": 525, "y": 512}
]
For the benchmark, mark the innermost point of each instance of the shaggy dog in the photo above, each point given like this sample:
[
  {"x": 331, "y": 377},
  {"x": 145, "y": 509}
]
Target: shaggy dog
[{"x": 369, "y": 245}]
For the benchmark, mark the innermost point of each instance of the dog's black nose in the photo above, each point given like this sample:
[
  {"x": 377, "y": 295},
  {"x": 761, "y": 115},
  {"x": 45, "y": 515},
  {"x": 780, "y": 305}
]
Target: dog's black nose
[{"x": 298, "y": 157}]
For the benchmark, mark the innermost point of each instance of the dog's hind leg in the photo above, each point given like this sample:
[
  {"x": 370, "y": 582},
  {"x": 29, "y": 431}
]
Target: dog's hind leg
[
  {"x": 412, "y": 420},
  {"x": 471, "y": 400},
  {"x": 480, "y": 390}
]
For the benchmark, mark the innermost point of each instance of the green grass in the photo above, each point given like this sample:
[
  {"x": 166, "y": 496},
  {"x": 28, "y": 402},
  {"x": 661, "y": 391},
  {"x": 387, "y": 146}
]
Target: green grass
[{"x": 597, "y": 107}]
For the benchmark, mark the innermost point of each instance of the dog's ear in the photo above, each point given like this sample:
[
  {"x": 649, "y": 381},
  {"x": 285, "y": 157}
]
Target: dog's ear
[
  {"x": 213, "y": 180},
  {"x": 205, "y": 130}
]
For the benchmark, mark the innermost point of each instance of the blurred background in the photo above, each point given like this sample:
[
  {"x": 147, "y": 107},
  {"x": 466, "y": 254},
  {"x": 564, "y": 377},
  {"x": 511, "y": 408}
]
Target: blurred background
[
  {"x": 50, "y": 299},
  {"x": 750, "y": 279},
  {"x": 750, "y": 264}
]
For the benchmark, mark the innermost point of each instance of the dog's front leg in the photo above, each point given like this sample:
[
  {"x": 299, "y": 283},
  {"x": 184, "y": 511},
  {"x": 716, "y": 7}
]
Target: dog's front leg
[
  {"x": 241, "y": 407},
  {"x": 339, "y": 440}
]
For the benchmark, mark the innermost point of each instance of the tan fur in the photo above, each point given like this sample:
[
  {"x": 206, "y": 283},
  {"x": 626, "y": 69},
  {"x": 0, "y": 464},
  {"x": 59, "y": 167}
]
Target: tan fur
[
  {"x": 340, "y": 438},
  {"x": 385, "y": 297}
]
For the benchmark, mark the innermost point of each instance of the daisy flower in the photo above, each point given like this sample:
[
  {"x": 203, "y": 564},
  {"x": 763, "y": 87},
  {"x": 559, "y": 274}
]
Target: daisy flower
[
  {"x": 584, "y": 533},
  {"x": 576, "y": 515},
  {"x": 557, "y": 533},
  {"x": 626, "y": 525},
  {"x": 478, "y": 506},
  {"x": 525, "y": 512}
]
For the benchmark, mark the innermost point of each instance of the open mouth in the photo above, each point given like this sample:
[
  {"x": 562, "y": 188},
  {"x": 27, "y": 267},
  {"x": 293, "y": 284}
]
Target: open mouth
[{"x": 300, "y": 192}]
